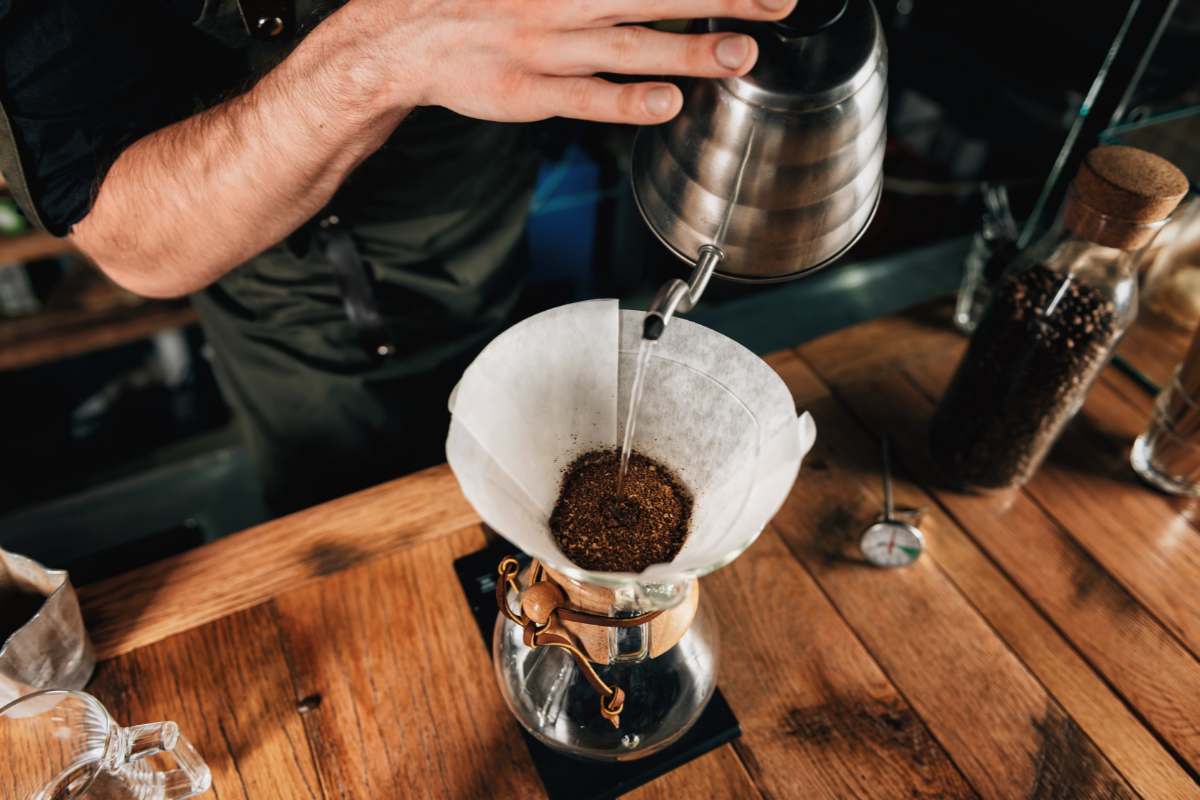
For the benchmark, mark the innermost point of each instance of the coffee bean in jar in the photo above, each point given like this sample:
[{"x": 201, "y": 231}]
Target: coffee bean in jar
[
  {"x": 1053, "y": 323},
  {"x": 1022, "y": 378}
]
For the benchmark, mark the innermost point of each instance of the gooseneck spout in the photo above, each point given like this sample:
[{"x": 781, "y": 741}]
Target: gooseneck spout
[{"x": 681, "y": 296}]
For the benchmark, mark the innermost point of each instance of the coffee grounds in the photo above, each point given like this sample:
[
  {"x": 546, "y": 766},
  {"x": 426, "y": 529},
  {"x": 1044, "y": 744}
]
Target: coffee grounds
[
  {"x": 1023, "y": 377},
  {"x": 600, "y": 530}
]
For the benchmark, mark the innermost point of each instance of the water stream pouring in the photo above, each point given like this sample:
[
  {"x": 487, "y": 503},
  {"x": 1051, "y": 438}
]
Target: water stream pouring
[
  {"x": 601, "y": 664},
  {"x": 775, "y": 174}
]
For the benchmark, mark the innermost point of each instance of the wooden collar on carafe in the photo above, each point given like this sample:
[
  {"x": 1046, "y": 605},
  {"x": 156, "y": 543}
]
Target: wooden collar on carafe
[
  {"x": 665, "y": 628},
  {"x": 558, "y": 612}
]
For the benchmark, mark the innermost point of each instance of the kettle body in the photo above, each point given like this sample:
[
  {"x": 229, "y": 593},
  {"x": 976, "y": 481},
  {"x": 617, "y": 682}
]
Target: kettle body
[{"x": 781, "y": 169}]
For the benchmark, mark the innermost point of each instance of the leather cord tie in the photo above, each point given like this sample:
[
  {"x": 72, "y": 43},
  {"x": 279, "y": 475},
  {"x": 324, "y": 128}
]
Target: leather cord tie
[{"x": 543, "y": 606}]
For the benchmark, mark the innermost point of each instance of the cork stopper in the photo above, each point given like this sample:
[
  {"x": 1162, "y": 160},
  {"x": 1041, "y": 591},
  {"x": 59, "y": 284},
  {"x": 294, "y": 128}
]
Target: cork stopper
[{"x": 1122, "y": 196}]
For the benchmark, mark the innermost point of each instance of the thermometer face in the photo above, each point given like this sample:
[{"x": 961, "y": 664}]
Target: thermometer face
[{"x": 891, "y": 544}]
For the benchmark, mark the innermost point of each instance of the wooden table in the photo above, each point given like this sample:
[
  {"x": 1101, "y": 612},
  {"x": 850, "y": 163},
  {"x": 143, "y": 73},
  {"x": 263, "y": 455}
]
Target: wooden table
[{"x": 1045, "y": 647}]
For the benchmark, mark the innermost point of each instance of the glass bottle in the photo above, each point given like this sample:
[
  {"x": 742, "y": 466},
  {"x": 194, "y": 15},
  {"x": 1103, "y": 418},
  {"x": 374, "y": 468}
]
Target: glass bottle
[
  {"x": 1171, "y": 287},
  {"x": 992, "y": 247},
  {"x": 1053, "y": 322}
]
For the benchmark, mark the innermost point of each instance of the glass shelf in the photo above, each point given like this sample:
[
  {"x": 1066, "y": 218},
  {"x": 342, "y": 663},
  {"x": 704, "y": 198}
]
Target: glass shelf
[{"x": 1174, "y": 135}]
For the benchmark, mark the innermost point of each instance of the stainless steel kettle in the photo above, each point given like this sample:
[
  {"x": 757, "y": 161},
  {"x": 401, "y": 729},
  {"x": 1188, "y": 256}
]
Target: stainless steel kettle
[{"x": 775, "y": 174}]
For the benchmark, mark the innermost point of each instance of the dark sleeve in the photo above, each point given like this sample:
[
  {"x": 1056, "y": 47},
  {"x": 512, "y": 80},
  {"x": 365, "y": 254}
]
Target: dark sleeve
[{"x": 80, "y": 80}]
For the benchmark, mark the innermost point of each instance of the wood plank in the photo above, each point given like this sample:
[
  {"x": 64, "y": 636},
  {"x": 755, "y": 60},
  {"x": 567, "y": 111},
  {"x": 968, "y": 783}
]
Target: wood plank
[
  {"x": 31, "y": 247},
  {"x": 1110, "y": 629},
  {"x": 229, "y": 688},
  {"x": 999, "y": 724},
  {"x": 884, "y": 343},
  {"x": 1134, "y": 533},
  {"x": 1155, "y": 347},
  {"x": 244, "y": 570},
  {"x": 818, "y": 721},
  {"x": 405, "y": 700},
  {"x": 716, "y": 775},
  {"x": 819, "y": 718},
  {"x": 50, "y": 335}
]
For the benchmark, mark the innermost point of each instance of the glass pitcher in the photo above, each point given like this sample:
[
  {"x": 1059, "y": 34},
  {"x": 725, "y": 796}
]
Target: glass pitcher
[
  {"x": 62, "y": 745},
  {"x": 665, "y": 670}
]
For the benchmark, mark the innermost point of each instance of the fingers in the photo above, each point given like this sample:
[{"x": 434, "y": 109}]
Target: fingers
[
  {"x": 598, "y": 100},
  {"x": 634, "y": 50},
  {"x": 612, "y": 12}
]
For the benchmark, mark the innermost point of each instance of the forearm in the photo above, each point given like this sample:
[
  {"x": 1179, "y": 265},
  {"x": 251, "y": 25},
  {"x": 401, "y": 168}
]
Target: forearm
[{"x": 186, "y": 204}]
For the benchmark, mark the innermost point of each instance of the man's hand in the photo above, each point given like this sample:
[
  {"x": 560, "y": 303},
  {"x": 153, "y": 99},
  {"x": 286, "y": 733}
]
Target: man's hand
[
  {"x": 184, "y": 205},
  {"x": 525, "y": 60}
]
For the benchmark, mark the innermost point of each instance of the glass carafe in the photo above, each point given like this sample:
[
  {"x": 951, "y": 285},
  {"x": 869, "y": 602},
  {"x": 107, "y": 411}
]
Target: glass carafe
[
  {"x": 665, "y": 680},
  {"x": 62, "y": 745}
]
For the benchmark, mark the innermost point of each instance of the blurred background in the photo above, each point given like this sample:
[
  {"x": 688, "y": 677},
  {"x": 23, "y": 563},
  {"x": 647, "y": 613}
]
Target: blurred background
[{"x": 117, "y": 447}]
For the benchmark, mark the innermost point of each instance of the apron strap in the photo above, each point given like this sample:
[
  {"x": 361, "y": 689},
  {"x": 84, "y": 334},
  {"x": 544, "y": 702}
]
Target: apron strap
[{"x": 354, "y": 282}]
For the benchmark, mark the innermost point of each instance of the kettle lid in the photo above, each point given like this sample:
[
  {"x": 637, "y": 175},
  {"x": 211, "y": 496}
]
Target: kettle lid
[
  {"x": 812, "y": 16},
  {"x": 819, "y": 55}
]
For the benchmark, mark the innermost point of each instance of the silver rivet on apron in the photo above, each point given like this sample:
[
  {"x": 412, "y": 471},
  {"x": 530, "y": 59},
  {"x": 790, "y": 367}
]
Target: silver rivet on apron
[
  {"x": 270, "y": 26},
  {"x": 330, "y": 221}
]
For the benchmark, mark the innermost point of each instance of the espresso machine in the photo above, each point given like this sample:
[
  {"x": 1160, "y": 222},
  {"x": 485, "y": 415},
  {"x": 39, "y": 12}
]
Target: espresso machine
[{"x": 773, "y": 175}]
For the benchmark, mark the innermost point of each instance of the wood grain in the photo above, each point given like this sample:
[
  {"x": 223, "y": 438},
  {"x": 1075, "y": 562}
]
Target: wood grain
[
  {"x": 1155, "y": 347},
  {"x": 883, "y": 344},
  {"x": 53, "y": 335},
  {"x": 997, "y": 722},
  {"x": 717, "y": 775},
  {"x": 1110, "y": 629},
  {"x": 228, "y": 686},
  {"x": 819, "y": 719},
  {"x": 405, "y": 699},
  {"x": 244, "y": 570}
]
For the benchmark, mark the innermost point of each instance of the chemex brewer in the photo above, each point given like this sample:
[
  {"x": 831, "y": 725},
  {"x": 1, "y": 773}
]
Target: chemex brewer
[{"x": 612, "y": 654}]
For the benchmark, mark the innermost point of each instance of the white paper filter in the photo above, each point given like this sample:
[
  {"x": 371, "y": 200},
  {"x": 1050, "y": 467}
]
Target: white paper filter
[{"x": 557, "y": 385}]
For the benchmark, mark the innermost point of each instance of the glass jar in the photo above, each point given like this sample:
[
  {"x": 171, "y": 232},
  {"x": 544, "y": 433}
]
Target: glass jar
[
  {"x": 69, "y": 747},
  {"x": 1050, "y": 328},
  {"x": 1053, "y": 322}
]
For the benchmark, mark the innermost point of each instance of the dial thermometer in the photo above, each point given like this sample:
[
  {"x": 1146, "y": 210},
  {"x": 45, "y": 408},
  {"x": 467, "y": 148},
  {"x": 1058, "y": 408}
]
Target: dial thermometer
[{"x": 890, "y": 542}]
